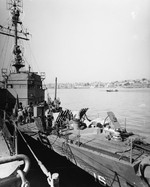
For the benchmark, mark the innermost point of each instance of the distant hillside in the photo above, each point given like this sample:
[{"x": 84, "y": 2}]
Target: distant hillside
[{"x": 138, "y": 83}]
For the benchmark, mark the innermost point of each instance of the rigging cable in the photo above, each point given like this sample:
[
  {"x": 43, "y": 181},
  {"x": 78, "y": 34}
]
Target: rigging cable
[
  {"x": 34, "y": 59},
  {"x": 43, "y": 168},
  {"x": 5, "y": 42}
]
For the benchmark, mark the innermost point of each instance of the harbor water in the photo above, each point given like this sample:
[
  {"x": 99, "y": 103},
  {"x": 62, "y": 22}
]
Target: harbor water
[{"x": 131, "y": 106}]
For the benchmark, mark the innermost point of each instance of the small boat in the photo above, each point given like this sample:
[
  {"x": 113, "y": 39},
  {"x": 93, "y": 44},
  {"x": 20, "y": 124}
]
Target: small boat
[
  {"x": 103, "y": 148},
  {"x": 112, "y": 90}
]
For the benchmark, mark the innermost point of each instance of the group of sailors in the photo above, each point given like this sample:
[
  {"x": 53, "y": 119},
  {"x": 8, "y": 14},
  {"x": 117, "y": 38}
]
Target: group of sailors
[
  {"x": 63, "y": 117},
  {"x": 25, "y": 114}
]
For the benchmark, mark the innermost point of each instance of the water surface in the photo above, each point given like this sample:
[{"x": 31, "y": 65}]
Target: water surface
[{"x": 131, "y": 106}]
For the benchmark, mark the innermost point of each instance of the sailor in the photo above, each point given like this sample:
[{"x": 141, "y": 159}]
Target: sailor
[
  {"x": 20, "y": 116},
  {"x": 56, "y": 104},
  {"x": 20, "y": 106},
  {"x": 25, "y": 114},
  {"x": 30, "y": 112},
  {"x": 49, "y": 118},
  {"x": 79, "y": 120}
]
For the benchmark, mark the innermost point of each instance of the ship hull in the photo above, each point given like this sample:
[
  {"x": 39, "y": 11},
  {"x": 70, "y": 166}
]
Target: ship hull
[{"x": 109, "y": 171}]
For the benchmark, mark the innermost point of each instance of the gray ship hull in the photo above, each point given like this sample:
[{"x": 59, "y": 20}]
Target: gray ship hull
[{"x": 108, "y": 170}]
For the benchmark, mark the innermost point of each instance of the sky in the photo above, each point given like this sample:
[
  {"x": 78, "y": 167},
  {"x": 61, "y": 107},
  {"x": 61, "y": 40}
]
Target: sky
[{"x": 85, "y": 40}]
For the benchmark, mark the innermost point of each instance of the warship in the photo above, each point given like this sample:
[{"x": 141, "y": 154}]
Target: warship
[
  {"x": 103, "y": 148},
  {"x": 19, "y": 87}
]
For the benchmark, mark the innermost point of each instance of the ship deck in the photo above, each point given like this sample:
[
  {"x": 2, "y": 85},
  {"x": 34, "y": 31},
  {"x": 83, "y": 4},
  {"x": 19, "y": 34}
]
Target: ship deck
[{"x": 93, "y": 140}]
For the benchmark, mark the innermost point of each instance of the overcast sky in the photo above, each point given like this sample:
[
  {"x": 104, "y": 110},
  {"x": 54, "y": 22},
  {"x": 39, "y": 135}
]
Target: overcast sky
[{"x": 86, "y": 40}]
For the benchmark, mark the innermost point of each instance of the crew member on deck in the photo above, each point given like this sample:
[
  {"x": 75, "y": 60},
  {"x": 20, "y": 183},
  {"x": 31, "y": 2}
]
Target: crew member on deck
[
  {"x": 49, "y": 119},
  {"x": 30, "y": 112},
  {"x": 25, "y": 114},
  {"x": 20, "y": 116},
  {"x": 20, "y": 106},
  {"x": 56, "y": 105}
]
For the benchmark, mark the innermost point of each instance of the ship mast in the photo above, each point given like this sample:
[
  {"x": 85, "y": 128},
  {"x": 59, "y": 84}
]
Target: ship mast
[
  {"x": 15, "y": 11},
  {"x": 15, "y": 7}
]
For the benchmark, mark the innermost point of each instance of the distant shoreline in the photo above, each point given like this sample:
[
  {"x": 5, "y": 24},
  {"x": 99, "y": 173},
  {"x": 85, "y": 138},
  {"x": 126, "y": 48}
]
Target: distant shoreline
[{"x": 139, "y": 83}]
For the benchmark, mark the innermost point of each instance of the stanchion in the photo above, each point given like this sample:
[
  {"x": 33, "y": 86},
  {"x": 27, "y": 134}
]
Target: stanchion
[{"x": 55, "y": 178}]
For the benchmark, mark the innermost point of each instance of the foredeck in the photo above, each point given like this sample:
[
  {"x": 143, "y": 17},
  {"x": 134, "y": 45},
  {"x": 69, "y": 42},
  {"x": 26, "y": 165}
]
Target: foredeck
[
  {"x": 93, "y": 140},
  {"x": 98, "y": 142}
]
